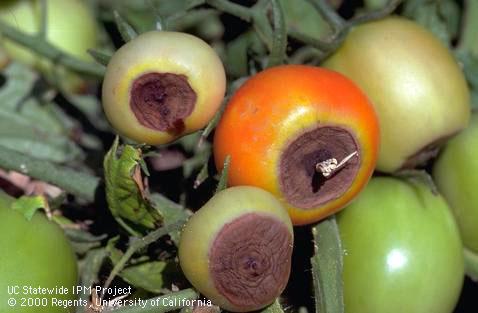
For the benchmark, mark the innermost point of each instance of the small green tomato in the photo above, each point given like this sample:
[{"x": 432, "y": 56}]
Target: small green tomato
[
  {"x": 162, "y": 85},
  {"x": 35, "y": 254},
  {"x": 456, "y": 176},
  {"x": 236, "y": 250},
  {"x": 402, "y": 250}
]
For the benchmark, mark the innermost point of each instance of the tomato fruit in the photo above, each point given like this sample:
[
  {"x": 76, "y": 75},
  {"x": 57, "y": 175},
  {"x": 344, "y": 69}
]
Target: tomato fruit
[
  {"x": 284, "y": 123},
  {"x": 35, "y": 254},
  {"x": 162, "y": 85},
  {"x": 414, "y": 83},
  {"x": 236, "y": 250},
  {"x": 402, "y": 250},
  {"x": 456, "y": 176}
]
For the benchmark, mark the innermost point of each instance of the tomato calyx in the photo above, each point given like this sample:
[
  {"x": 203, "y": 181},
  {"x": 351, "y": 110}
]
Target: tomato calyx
[
  {"x": 319, "y": 166},
  {"x": 162, "y": 101}
]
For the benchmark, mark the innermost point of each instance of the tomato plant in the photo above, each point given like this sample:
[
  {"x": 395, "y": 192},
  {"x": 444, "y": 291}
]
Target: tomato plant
[{"x": 402, "y": 250}]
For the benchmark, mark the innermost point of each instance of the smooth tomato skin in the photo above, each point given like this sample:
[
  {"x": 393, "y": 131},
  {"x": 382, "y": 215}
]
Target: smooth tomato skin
[
  {"x": 455, "y": 174},
  {"x": 35, "y": 253},
  {"x": 402, "y": 250},
  {"x": 276, "y": 105},
  {"x": 416, "y": 86}
]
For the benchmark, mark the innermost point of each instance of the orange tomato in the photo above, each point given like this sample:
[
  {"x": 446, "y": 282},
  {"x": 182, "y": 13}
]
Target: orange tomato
[{"x": 286, "y": 122}]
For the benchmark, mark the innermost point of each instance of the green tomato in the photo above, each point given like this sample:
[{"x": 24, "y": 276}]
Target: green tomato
[
  {"x": 402, "y": 250},
  {"x": 70, "y": 26},
  {"x": 35, "y": 254},
  {"x": 456, "y": 176},
  {"x": 416, "y": 86}
]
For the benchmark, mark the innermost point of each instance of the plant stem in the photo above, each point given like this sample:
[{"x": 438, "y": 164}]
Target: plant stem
[
  {"x": 376, "y": 14},
  {"x": 76, "y": 183},
  {"x": 140, "y": 243},
  {"x": 229, "y": 7},
  {"x": 336, "y": 22},
  {"x": 469, "y": 39},
  {"x": 471, "y": 264},
  {"x": 49, "y": 51},
  {"x": 166, "y": 303},
  {"x": 279, "y": 42}
]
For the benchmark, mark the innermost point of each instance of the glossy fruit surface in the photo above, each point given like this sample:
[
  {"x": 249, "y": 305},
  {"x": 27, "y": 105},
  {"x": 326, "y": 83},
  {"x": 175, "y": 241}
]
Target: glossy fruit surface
[
  {"x": 35, "y": 254},
  {"x": 412, "y": 79},
  {"x": 162, "y": 85},
  {"x": 70, "y": 26},
  {"x": 456, "y": 176},
  {"x": 286, "y": 120},
  {"x": 236, "y": 250},
  {"x": 402, "y": 250}
]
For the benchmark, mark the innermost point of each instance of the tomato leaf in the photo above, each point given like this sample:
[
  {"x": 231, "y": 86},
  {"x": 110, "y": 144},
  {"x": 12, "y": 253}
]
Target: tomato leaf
[
  {"x": 29, "y": 205},
  {"x": 126, "y": 30},
  {"x": 327, "y": 264},
  {"x": 222, "y": 184},
  {"x": 127, "y": 197}
]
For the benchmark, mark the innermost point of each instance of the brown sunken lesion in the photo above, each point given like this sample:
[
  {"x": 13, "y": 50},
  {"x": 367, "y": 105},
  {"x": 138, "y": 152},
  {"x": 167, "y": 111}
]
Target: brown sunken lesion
[
  {"x": 161, "y": 101},
  {"x": 250, "y": 259},
  {"x": 301, "y": 183}
]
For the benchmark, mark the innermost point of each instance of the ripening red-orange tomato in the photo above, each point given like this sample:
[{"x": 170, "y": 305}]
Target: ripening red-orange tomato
[{"x": 306, "y": 134}]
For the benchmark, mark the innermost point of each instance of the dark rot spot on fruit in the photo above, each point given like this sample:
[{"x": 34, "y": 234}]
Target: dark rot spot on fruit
[
  {"x": 162, "y": 101},
  {"x": 250, "y": 260},
  {"x": 302, "y": 184},
  {"x": 426, "y": 153}
]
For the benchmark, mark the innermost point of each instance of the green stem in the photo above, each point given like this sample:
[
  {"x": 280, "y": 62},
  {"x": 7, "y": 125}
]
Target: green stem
[
  {"x": 79, "y": 184},
  {"x": 140, "y": 243},
  {"x": 43, "y": 19},
  {"x": 279, "y": 42},
  {"x": 469, "y": 39},
  {"x": 311, "y": 41},
  {"x": 242, "y": 12},
  {"x": 166, "y": 303},
  {"x": 376, "y": 14},
  {"x": 329, "y": 14},
  {"x": 49, "y": 51},
  {"x": 471, "y": 264}
]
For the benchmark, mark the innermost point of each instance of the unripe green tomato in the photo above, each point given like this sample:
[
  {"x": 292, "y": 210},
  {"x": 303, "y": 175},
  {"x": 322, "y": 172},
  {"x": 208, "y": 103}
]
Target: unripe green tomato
[
  {"x": 35, "y": 254},
  {"x": 456, "y": 176},
  {"x": 70, "y": 26},
  {"x": 402, "y": 250},
  {"x": 162, "y": 85},
  {"x": 414, "y": 83},
  {"x": 236, "y": 250}
]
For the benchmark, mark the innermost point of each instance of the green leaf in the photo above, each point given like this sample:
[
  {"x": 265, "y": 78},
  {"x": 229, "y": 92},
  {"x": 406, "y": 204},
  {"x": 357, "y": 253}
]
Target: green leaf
[
  {"x": 89, "y": 270},
  {"x": 153, "y": 276},
  {"x": 126, "y": 30},
  {"x": 127, "y": 198},
  {"x": 327, "y": 265},
  {"x": 471, "y": 264},
  {"x": 172, "y": 212},
  {"x": 222, "y": 184},
  {"x": 29, "y": 205},
  {"x": 30, "y": 127},
  {"x": 301, "y": 16},
  {"x": 100, "y": 57}
]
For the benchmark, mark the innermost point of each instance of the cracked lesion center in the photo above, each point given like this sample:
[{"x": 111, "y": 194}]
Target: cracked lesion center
[
  {"x": 161, "y": 101},
  {"x": 250, "y": 259},
  {"x": 303, "y": 179}
]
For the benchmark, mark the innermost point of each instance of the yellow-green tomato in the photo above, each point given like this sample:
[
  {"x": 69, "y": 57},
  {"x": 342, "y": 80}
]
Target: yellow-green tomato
[
  {"x": 70, "y": 26},
  {"x": 456, "y": 176},
  {"x": 162, "y": 85},
  {"x": 236, "y": 250},
  {"x": 35, "y": 254},
  {"x": 414, "y": 83},
  {"x": 403, "y": 251}
]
